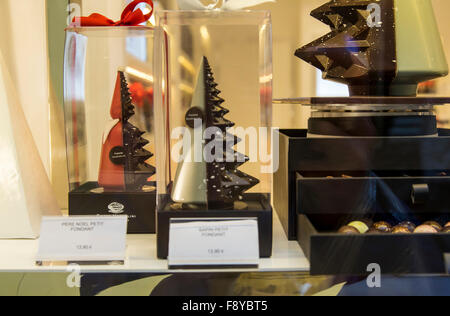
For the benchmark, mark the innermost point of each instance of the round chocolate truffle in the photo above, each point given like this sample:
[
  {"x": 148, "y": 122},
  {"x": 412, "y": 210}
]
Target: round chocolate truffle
[
  {"x": 383, "y": 227},
  {"x": 411, "y": 227},
  {"x": 426, "y": 229},
  {"x": 360, "y": 226},
  {"x": 446, "y": 230},
  {"x": 401, "y": 230},
  {"x": 434, "y": 224},
  {"x": 348, "y": 230}
]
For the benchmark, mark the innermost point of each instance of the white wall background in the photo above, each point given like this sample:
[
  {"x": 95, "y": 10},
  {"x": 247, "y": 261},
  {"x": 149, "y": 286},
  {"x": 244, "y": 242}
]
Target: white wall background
[{"x": 24, "y": 44}]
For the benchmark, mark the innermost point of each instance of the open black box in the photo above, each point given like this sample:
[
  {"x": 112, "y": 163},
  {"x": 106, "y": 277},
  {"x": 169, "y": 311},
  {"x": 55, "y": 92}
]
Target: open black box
[
  {"x": 258, "y": 207},
  {"x": 335, "y": 254},
  {"x": 140, "y": 207},
  {"x": 385, "y": 199},
  {"x": 372, "y": 178}
]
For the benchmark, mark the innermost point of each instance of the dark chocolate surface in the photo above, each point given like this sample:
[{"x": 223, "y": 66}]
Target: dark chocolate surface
[{"x": 355, "y": 53}]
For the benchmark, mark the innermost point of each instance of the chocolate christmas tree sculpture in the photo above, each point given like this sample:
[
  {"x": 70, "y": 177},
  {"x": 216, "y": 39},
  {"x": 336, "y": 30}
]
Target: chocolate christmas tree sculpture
[
  {"x": 123, "y": 162},
  {"x": 214, "y": 181},
  {"x": 370, "y": 47}
]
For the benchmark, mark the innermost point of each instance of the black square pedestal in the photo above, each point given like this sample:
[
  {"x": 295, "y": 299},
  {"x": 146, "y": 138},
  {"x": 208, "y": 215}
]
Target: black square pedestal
[
  {"x": 325, "y": 183},
  {"x": 138, "y": 206},
  {"x": 258, "y": 207}
]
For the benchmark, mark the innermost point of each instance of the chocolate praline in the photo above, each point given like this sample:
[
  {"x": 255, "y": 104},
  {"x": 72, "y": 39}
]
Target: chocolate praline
[
  {"x": 401, "y": 230},
  {"x": 383, "y": 227},
  {"x": 409, "y": 225},
  {"x": 447, "y": 225},
  {"x": 360, "y": 226},
  {"x": 348, "y": 230},
  {"x": 435, "y": 224},
  {"x": 426, "y": 229},
  {"x": 446, "y": 230}
]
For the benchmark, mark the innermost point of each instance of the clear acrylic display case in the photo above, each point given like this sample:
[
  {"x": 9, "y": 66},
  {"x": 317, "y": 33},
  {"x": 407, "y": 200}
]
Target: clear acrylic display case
[
  {"x": 109, "y": 108},
  {"x": 214, "y": 77}
]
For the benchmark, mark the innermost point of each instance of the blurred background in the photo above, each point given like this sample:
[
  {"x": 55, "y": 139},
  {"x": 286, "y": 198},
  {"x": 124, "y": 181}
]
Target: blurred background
[{"x": 32, "y": 33}]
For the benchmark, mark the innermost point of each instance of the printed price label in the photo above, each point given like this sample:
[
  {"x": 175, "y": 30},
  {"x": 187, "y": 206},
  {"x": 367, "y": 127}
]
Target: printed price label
[
  {"x": 212, "y": 242},
  {"x": 83, "y": 238}
]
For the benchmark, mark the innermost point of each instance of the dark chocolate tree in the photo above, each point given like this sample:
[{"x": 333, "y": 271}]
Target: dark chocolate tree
[
  {"x": 137, "y": 171},
  {"x": 358, "y": 51},
  {"x": 225, "y": 183}
]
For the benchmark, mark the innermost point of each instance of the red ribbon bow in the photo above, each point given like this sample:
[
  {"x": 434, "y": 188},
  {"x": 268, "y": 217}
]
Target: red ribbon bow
[{"x": 130, "y": 17}]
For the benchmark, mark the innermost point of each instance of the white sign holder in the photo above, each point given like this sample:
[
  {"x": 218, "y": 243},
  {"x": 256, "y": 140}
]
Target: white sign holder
[
  {"x": 83, "y": 239},
  {"x": 212, "y": 243}
]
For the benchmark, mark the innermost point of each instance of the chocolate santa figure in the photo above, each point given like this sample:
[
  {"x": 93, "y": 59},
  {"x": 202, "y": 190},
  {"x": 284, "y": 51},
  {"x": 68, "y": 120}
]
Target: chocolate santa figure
[{"x": 123, "y": 164}]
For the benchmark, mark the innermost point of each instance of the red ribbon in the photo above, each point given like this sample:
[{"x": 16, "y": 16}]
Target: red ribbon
[{"x": 130, "y": 17}]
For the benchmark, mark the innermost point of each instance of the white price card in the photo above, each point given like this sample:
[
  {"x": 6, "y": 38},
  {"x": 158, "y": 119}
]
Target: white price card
[
  {"x": 83, "y": 239},
  {"x": 214, "y": 242}
]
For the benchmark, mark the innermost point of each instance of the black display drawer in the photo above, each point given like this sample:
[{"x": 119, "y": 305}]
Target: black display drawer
[
  {"x": 387, "y": 157},
  {"x": 326, "y": 204},
  {"x": 140, "y": 207},
  {"x": 258, "y": 207},
  {"x": 335, "y": 254},
  {"x": 401, "y": 197}
]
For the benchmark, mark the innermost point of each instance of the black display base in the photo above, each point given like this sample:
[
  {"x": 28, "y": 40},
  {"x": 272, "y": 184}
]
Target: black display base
[
  {"x": 258, "y": 206},
  {"x": 325, "y": 183},
  {"x": 337, "y": 254},
  {"x": 140, "y": 207}
]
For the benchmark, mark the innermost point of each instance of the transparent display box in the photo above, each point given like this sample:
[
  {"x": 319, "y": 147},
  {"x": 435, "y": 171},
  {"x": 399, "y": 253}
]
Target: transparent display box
[
  {"x": 213, "y": 92},
  {"x": 108, "y": 83}
]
